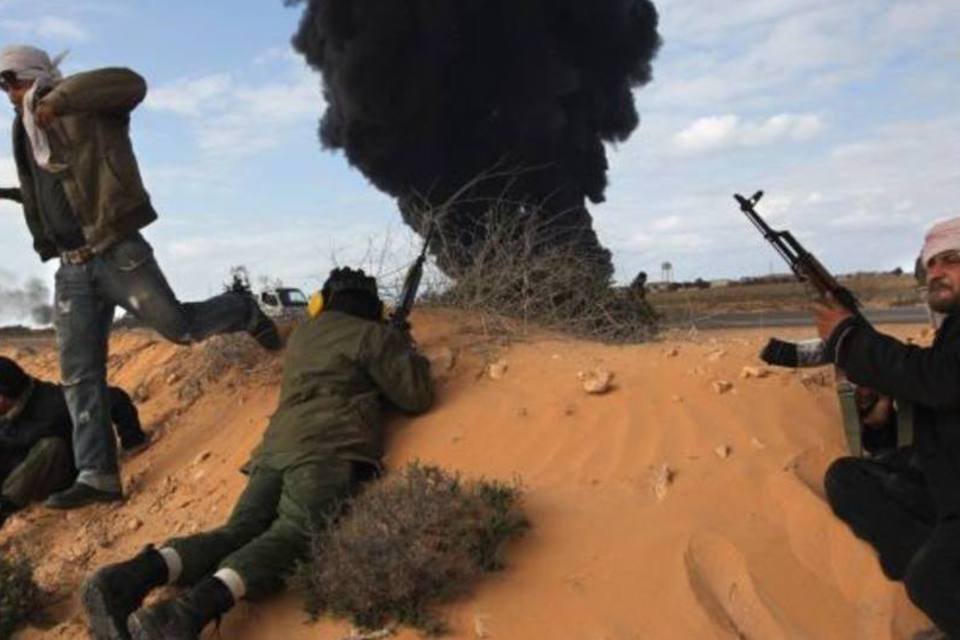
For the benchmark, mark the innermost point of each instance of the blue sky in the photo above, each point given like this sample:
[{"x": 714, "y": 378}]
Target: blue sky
[{"x": 843, "y": 110}]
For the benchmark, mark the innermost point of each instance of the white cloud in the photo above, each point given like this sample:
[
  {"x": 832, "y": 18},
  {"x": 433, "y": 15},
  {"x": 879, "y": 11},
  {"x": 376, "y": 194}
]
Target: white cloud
[
  {"x": 52, "y": 27},
  {"x": 729, "y": 131},
  {"x": 191, "y": 96},
  {"x": 234, "y": 118}
]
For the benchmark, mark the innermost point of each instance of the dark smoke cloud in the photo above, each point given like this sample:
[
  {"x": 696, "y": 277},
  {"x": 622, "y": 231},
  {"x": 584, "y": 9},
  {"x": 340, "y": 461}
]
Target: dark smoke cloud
[
  {"x": 30, "y": 303},
  {"x": 424, "y": 95}
]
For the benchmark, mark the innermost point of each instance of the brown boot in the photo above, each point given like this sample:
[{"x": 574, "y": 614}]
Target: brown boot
[{"x": 184, "y": 617}]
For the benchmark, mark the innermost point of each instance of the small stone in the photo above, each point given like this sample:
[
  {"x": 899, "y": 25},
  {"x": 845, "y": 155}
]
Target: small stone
[
  {"x": 134, "y": 524},
  {"x": 141, "y": 394},
  {"x": 757, "y": 444},
  {"x": 173, "y": 379},
  {"x": 672, "y": 352},
  {"x": 442, "y": 359},
  {"x": 818, "y": 379},
  {"x": 496, "y": 370},
  {"x": 754, "y": 372},
  {"x": 596, "y": 382},
  {"x": 522, "y": 412},
  {"x": 723, "y": 452},
  {"x": 722, "y": 386},
  {"x": 201, "y": 458},
  {"x": 660, "y": 481},
  {"x": 716, "y": 354},
  {"x": 677, "y": 399},
  {"x": 480, "y": 626}
]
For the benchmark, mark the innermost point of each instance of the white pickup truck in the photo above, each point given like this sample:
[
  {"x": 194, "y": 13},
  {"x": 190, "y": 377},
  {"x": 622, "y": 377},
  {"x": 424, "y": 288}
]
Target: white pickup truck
[{"x": 283, "y": 303}]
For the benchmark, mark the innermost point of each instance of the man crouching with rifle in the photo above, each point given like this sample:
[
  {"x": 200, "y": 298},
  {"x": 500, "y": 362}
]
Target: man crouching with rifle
[{"x": 907, "y": 504}]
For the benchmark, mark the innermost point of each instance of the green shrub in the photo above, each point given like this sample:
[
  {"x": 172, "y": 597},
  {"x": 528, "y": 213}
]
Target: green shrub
[
  {"x": 415, "y": 539},
  {"x": 19, "y": 594}
]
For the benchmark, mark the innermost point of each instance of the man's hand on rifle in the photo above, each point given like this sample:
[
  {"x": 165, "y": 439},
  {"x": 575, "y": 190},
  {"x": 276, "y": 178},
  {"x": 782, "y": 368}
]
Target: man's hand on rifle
[{"x": 828, "y": 314}]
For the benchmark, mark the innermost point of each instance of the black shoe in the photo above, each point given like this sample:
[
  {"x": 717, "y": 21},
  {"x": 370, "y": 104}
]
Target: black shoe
[
  {"x": 115, "y": 591},
  {"x": 134, "y": 443},
  {"x": 81, "y": 495},
  {"x": 264, "y": 330},
  {"x": 184, "y": 617}
]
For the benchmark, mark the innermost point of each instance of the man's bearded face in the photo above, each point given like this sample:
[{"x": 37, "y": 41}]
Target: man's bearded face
[{"x": 943, "y": 282}]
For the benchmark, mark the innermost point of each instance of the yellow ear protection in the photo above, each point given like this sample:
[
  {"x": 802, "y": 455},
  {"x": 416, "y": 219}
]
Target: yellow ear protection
[{"x": 315, "y": 307}]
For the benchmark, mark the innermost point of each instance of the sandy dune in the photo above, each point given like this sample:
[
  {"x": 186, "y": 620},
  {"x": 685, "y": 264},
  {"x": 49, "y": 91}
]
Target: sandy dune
[{"x": 738, "y": 543}]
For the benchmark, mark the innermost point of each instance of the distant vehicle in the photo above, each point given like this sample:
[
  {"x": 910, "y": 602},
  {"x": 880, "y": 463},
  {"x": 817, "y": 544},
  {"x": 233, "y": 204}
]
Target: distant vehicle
[{"x": 285, "y": 303}]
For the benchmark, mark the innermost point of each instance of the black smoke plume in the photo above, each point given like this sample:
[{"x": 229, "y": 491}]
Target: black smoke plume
[
  {"x": 28, "y": 303},
  {"x": 425, "y": 95}
]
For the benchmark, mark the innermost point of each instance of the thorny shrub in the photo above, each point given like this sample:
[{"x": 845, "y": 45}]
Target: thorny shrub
[
  {"x": 519, "y": 275},
  {"x": 408, "y": 542},
  {"x": 19, "y": 594}
]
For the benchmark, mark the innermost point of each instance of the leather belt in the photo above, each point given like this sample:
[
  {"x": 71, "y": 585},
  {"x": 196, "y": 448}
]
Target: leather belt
[{"x": 78, "y": 256}]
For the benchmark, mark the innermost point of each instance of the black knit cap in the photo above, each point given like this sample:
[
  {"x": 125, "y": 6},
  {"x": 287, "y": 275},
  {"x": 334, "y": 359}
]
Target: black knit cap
[
  {"x": 13, "y": 380},
  {"x": 347, "y": 279}
]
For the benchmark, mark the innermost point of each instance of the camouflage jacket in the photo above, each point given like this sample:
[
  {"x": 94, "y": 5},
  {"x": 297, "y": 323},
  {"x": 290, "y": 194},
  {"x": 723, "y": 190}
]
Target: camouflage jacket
[
  {"x": 93, "y": 157},
  {"x": 338, "y": 372}
]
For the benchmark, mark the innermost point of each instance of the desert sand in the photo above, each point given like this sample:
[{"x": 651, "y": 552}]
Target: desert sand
[{"x": 683, "y": 503}]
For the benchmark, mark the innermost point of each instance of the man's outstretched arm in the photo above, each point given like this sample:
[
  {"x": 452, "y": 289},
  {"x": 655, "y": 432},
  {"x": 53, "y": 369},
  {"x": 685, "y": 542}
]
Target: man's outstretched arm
[{"x": 11, "y": 194}]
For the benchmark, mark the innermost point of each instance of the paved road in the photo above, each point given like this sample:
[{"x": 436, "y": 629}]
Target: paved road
[{"x": 896, "y": 315}]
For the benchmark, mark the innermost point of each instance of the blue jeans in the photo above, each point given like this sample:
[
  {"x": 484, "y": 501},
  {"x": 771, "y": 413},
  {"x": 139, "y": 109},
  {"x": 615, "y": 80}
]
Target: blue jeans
[{"x": 86, "y": 296}]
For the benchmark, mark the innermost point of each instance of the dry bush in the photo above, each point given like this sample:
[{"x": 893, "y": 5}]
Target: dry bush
[
  {"x": 408, "y": 542},
  {"x": 520, "y": 274},
  {"x": 19, "y": 594}
]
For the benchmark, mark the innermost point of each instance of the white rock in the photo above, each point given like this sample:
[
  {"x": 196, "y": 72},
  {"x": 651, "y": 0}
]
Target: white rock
[
  {"x": 661, "y": 480},
  {"x": 754, "y": 372},
  {"x": 496, "y": 370},
  {"x": 596, "y": 381},
  {"x": 722, "y": 386},
  {"x": 723, "y": 452}
]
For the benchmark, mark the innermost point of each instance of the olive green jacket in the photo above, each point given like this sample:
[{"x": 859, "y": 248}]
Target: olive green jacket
[
  {"x": 337, "y": 373},
  {"x": 93, "y": 157}
]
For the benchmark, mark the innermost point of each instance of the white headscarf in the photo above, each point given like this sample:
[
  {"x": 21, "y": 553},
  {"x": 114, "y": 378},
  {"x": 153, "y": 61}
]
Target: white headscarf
[
  {"x": 30, "y": 63},
  {"x": 943, "y": 236}
]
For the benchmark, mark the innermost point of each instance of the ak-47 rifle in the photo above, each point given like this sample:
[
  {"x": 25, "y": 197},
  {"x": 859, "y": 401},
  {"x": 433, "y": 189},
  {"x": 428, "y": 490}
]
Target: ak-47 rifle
[
  {"x": 411, "y": 285},
  {"x": 803, "y": 263},
  {"x": 808, "y": 269}
]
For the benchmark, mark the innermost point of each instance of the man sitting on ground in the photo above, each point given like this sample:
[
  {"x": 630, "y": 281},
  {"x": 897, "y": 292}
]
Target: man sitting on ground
[
  {"x": 324, "y": 440},
  {"x": 907, "y": 504},
  {"x": 35, "y": 437}
]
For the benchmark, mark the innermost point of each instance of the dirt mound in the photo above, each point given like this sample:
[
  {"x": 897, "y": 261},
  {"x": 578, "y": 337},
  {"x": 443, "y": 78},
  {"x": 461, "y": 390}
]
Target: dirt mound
[{"x": 641, "y": 527}]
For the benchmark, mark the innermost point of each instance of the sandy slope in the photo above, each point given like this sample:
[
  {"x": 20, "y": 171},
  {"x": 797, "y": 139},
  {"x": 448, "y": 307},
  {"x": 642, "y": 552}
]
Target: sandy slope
[{"x": 739, "y": 547}]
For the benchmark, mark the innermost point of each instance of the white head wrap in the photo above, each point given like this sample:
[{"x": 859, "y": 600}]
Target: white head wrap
[
  {"x": 943, "y": 236},
  {"x": 30, "y": 63}
]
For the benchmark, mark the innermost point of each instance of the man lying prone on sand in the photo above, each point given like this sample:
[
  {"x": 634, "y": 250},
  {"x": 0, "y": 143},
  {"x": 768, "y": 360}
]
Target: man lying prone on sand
[
  {"x": 906, "y": 504},
  {"x": 324, "y": 440}
]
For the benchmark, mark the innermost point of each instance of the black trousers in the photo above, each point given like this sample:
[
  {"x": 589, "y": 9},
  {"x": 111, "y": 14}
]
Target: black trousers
[{"x": 887, "y": 503}]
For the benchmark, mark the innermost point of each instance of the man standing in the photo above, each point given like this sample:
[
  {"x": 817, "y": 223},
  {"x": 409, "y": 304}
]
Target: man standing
[
  {"x": 35, "y": 437},
  {"x": 85, "y": 203},
  {"x": 324, "y": 440},
  {"x": 907, "y": 504}
]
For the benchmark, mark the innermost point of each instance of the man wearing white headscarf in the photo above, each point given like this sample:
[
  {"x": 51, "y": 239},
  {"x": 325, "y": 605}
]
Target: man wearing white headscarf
[
  {"x": 907, "y": 504},
  {"x": 84, "y": 202}
]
